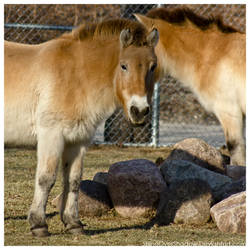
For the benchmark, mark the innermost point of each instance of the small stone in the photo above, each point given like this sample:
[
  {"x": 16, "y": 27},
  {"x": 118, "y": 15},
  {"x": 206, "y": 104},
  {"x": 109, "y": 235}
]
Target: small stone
[
  {"x": 230, "y": 214},
  {"x": 134, "y": 187}
]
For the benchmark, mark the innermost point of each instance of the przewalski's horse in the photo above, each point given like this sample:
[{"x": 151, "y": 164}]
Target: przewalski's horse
[
  {"x": 209, "y": 58},
  {"x": 57, "y": 92}
]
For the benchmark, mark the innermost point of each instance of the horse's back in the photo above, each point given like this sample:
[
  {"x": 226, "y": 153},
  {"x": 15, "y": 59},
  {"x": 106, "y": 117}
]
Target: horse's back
[{"x": 19, "y": 93}]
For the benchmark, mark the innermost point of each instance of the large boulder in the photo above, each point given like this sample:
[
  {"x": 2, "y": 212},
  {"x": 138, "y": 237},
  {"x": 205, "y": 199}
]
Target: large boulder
[
  {"x": 93, "y": 200},
  {"x": 198, "y": 152},
  {"x": 230, "y": 214},
  {"x": 186, "y": 202},
  {"x": 135, "y": 187},
  {"x": 174, "y": 170}
]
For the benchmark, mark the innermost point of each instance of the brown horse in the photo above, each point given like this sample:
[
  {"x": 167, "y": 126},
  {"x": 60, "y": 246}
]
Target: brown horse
[
  {"x": 57, "y": 92},
  {"x": 209, "y": 58}
]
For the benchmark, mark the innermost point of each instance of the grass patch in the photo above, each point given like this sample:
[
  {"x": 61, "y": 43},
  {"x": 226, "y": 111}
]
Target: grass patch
[{"x": 109, "y": 229}]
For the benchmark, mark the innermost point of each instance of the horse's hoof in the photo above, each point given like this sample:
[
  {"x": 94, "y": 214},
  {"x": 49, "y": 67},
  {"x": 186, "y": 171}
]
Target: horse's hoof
[
  {"x": 76, "y": 231},
  {"x": 75, "y": 228},
  {"x": 40, "y": 232}
]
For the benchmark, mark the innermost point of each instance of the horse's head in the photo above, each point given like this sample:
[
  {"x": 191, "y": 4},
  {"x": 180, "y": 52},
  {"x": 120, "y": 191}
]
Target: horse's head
[{"x": 134, "y": 79}]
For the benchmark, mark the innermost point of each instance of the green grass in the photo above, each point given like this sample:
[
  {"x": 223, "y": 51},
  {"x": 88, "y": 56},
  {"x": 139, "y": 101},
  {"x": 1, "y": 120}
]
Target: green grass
[{"x": 109, "y": 229}]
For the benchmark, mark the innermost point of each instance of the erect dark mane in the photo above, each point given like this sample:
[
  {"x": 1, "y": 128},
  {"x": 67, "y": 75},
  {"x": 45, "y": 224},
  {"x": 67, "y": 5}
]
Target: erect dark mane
[
  {"x": 181, "y": 15},
  {"x": 109, "y": 28}
]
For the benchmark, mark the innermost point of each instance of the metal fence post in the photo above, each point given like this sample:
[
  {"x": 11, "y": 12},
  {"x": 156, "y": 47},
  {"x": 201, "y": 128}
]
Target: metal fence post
[
  {"x": 156, "y": 111},
  {"x": 155, "y": 115}
]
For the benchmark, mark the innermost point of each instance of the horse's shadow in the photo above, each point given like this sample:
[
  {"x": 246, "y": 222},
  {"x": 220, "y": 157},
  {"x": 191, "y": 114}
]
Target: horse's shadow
[
  {"x": 146, "y": 226},
  {"x": 90, "y": 232},
  {"x": 25, "y": 217}
]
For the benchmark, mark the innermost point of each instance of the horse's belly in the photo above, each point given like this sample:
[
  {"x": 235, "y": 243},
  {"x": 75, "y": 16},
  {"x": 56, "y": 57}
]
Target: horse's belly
[{"x": 19, "y": 128}]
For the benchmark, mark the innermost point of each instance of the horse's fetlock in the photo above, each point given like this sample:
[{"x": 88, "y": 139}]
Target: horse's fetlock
[
  {"x": 69, "y": 219},
  {"x": 74, "y": 227},
  {"x": 36, "y": 220}
]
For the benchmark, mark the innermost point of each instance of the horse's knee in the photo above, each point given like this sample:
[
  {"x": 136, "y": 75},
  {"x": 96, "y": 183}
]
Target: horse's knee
[
  {"x": 74, "y": 185},
  {"x": 47, "y": 171},
  {"x": 46, "y": 182}
]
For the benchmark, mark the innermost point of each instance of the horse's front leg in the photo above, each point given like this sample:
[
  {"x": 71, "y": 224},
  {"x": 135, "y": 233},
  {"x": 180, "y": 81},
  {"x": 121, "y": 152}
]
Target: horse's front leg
[
  {"x": 49, "y": 152},
  {"x": 233, "y": 126},
  {"x": 72, "y": 174}
]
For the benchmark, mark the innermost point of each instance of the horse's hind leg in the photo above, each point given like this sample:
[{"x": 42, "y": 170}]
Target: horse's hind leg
[
  {"x": 49, "y": 152},
  {"x": 72, "y": 173},
  {"x": 233, "y": 125}
]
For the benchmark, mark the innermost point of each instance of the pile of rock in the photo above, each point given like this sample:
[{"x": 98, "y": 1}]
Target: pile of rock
[{"x": 191, "y": 186}]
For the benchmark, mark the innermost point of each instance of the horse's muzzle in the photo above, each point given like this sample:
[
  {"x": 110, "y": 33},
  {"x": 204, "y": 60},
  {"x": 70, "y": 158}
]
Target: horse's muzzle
[{"x": 137, "y": 116}]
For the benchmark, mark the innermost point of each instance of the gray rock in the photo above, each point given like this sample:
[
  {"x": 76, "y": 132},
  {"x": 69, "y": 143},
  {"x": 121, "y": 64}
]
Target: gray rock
[
  {"x": 230, "y": 214},
  {"x": 134, "y": 187},
  {"x": 174, "y": 170},
  {"x": 198, "y": 152},
  {"x": 235, "y": 172},
  {"x": 101, "y": 177},
  {"x": 93, "y": 200},
  {"x": 187, "y": 201}
]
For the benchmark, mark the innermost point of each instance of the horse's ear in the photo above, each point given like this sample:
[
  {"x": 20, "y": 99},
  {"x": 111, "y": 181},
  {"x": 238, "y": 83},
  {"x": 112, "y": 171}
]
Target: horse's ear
[
  {"x": 153, "y": 38},
  {"x": 146, "y": 21},
  {"x": 126, "y": 38}
]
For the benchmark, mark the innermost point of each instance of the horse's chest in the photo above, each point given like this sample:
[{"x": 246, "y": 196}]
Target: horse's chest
[{"x": 79, "y": 131}]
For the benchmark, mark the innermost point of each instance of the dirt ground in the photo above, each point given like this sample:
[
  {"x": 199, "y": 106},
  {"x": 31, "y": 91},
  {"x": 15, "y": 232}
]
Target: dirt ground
[{"x": 109, "y": 229}]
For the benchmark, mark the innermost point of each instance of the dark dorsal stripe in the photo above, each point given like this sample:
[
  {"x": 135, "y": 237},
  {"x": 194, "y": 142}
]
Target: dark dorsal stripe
[{"x": 181, "y": 15}]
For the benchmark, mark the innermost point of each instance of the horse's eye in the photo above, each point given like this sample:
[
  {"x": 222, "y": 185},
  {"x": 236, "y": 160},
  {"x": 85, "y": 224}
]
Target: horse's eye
[
  {"x": 152, "y": 69},
  {"x": 124, "y": 67}
]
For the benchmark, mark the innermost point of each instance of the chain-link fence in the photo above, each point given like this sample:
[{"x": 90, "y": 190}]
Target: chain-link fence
[{"x": 176, "y": 113}]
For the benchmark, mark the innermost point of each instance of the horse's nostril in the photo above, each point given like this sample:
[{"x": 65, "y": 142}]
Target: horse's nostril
[
  {"x": 136, "y": 113},
  {"x": 134, "y": 110},
  {"x": 145, "y": 111}
]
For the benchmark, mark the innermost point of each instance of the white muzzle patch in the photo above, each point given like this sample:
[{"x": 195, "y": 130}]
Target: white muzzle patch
[
  {"x": 138, "y": 108},
  {"x": 138, "y": 101}
]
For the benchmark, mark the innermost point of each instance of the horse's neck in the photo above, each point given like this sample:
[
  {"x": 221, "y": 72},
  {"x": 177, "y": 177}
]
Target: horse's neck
[
  {"x": 183, "y": 52},
  {"x": 102, "y": 98}
]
